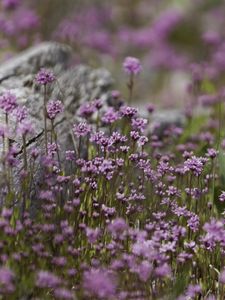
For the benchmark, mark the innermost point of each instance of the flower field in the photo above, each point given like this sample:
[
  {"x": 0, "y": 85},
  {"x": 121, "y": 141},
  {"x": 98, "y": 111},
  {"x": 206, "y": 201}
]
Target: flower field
[{"x": 132, "y": 208}]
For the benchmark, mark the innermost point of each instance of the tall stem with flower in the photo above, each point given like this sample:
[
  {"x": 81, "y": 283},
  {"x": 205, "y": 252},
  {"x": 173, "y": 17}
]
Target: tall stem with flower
[
  {"x": 132, "y": 67},
  {"x": 43, "y": 78}
]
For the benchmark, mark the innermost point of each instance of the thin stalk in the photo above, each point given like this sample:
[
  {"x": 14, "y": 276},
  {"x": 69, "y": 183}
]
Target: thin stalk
[
  {"x": 220, "y": 125},
  {"x": 24, "y": 152},
  {"x": 130, "y": 88},
  {"x": 25, "y": 179},
  {"x": 45, "y": 119},
  {"x": 56, "y": 141},
  {"x": 6, "y": 145}
]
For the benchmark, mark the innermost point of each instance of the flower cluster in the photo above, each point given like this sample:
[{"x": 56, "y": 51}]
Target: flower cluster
[
  {"x": 54, "y": 107},
  {"x": 45, "y": 77}
]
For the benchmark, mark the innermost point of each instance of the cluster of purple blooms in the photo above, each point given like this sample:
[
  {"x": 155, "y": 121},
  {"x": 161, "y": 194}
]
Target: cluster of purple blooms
[
  {"x": 130, "y": 210},
  {"x": 132, "y": 217}
]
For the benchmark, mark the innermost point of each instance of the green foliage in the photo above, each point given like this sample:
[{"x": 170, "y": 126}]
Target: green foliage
[
  {"x": 193, "y": 127},
  {"x": 208, "y": 87}
]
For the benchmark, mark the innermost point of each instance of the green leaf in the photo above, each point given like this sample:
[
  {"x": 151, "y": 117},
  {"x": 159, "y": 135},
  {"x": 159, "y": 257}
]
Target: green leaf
[
  {"x": 208, "y": 87},
  {"x": 193, "y": 127}
]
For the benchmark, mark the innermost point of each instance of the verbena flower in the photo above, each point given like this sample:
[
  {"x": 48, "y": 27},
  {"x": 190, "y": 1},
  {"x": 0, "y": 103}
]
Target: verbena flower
[
  {"x": 46, "y": 279},
  {"x": 222, "y": 276},
  {"x": 8, "y": 102},
  {"x": 7, "y": 277},
  {"x": 132, "y": 65},
  {"x": 99, "y": 283},
  {"x": 25, "y": 127},
  {"x": 21, "y": 113},
  {"x": 9, "y": 4},
  {"x": 54, "y": 107},
  {"x": 45, "y": 77},
  {"x": 81, "y": 129}
]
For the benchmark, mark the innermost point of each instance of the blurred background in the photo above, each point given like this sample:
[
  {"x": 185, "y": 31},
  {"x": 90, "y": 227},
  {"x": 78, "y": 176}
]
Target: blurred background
[{"x": 176, "y": 40}]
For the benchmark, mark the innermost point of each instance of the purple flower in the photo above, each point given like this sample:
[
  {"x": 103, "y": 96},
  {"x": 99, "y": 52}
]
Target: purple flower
[
  {"x": 139, "y": 124},
  {"x": 6, "y": 281},
  {"x": 212, "y": 153},
  {"x": 82, "y": 129},
  {"x": 59, "y": 261},
  {"x": 193, "y": 290},
  {"x": 163, "y": 270},
  {"x": 193, "y": 222},
  {"x": 99, "y": 283},
  {"x": 195, "y": 165},
  {"x": 70, "y": 155},
  {"x": 8, "y": 102},
  {"x": 144, "y": 270},
  {"x": 54, "y": 107},
  {"x": 45, "y": 77},
  {"x": 222, "y": 196},
  {"x": 110, "y": 116},
  {"x": 87, "y": 109},
  {"x": 9, "y": 4},
  {"x": 222, "y": 276},
  {"x": 63, "y": 294},
  {"x": 142, "y": 141},
  {"x": 92, "y": 234},
  {"x": 150, "y": 108},
  {"x": 25, "y": 127},
  {"x": 47, "y": 279},
  {"x": 128, "y": 111},
  {"x": 118, "y": 226},
  {"x": 131, "y": 65},
  {"x": 21, "y": 113}
]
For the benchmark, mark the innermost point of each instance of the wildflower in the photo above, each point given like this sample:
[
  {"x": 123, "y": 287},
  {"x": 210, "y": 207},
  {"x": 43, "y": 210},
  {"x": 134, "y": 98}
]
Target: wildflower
[
  {"x": 92, "y": 234},
  {"x": 193, "y": 222},
  {"x": 59, "y": 261},
  {"x": 99, "y": 283},
  {"x": 82, "y": 129},
  {"x": 25, "y": 127},
  {"x": 195, "y": 165},
  {"x": 193, "y": 290},
  {"x": 212, "y": 153},
  {"x": 163, "y": 270},
  {"x": 70, "y": 155},
  {"x": 150, "y": 108},
  {"x": 10, "y": 4},
  {"x": 8, "y": 102},
  {"x": 47, "y": 279},
  {"x": 6, "y": 281},
  {"x": 110, "y": 116},
  {"x": 63, "y": 294},
  {"x": 132, "y": 65},
  {"x": 52, "y": 149},
  {"x": 45, "y": 77},
  {"x": 144, "y": 270},
  {"x": 139, "y": 124},
  {"x": 54, "y": 107},
  {"x": 222, "y": 196},
  {"x": 128, "y": 111},
  {"x": 142, "y": 141},
  {"x": 21, "y": 113},
  {"x": 222, "y": 276},
  {"x": 87, "y": 109},
  {"x": 118, "y": 226}
]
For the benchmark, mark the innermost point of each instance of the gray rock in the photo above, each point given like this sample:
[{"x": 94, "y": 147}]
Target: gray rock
[
  {"x": 73, "y": 86},
  {"x": 163, "y": 119},
  {"x": 48, "y": 54}
]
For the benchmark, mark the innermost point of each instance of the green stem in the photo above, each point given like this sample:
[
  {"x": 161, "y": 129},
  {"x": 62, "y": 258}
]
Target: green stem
[
  {"x": 45, "y": 119},
  {"x": 131, "y": 87}
]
